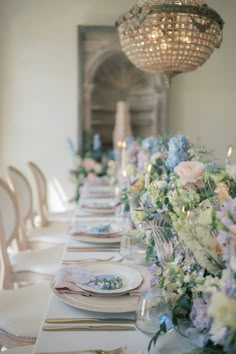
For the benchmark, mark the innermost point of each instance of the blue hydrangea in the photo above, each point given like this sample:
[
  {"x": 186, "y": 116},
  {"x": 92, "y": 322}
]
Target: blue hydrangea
[
  {"x": 178, "y": 150},
  {"x": 154, "y": 144},
  {"x": 96, "y": 142}
]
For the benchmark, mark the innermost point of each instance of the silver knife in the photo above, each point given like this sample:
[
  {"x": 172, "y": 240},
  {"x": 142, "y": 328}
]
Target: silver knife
[{"x": 90, "y": 328}]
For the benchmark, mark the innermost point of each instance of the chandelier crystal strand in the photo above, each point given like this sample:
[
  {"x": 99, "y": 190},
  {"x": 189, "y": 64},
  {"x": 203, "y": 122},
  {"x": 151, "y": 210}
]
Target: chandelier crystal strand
[{"x": 169, "y": 36}]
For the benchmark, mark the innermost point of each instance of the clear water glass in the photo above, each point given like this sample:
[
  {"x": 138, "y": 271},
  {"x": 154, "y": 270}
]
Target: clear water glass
[{"x": 126, "y": 247}]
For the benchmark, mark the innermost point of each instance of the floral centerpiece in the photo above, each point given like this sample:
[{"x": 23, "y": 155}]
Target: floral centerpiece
[
  {"x": 203, "y": 212},
  {"x": 93, "y": 162}
]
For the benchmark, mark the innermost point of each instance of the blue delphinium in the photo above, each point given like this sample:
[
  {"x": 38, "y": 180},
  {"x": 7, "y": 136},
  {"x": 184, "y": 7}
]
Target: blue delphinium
[
  {"x": 71, "y": 147},
  {"x": 178, "y": 150},
  {"x": 154, "y": 144}
]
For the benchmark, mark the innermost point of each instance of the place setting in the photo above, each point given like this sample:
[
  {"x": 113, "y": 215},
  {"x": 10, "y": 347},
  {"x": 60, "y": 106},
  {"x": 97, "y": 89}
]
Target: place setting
[
  {"x": 105, "y": 287},
  {"x": 98, "y": 191},
  {"x": 101, "y": 233},
  {"x": 100, "y": 206}
]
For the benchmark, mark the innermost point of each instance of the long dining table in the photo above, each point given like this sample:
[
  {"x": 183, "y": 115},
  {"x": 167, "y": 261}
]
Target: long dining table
[{"x": 63, "y": 309}]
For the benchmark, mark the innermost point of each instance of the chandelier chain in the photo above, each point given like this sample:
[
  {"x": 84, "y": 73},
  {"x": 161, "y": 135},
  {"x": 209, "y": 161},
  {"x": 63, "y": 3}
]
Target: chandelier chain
[{"x": 140, "y": 13}]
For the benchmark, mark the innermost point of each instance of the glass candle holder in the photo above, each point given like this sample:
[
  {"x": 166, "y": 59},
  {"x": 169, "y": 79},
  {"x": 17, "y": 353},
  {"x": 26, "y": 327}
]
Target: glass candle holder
[
  {"x": 133, "y": 248},
  {"x": 139, "y": 253},
  {"x": 154, "y": 308}
]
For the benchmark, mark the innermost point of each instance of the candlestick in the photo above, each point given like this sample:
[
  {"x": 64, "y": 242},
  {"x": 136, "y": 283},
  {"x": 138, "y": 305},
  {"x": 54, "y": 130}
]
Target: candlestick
[
  {"x": 123, "y": 155},
  {"x": 118, "y": 153},
  {"x": 147, "y": 176},
  {"x": 229, "y": 153}
]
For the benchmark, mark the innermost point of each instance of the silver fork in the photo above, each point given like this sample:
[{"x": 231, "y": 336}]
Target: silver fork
[
  {"x": 68, "y": 261},
  {"x": 101, "y": 351}
]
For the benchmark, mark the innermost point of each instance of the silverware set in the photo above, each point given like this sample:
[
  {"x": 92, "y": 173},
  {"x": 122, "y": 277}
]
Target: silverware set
[{"x": 95, "y": 351}]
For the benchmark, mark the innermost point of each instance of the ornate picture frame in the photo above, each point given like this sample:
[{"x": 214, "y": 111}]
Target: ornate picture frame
[{"x": 106, "y": 76}]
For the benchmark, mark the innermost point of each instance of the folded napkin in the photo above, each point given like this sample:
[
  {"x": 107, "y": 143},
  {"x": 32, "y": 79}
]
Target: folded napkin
[{"x": 68, "y": 275}]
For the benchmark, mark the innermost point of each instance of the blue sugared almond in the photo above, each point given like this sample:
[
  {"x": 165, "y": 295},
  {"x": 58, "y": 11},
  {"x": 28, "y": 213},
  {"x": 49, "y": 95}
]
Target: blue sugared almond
[
  {"x": 109, "y": 284},
  {"x": 103, "y": 228}
]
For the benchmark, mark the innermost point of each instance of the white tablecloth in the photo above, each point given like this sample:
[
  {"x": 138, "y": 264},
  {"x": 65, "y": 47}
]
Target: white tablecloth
[{"x": 136, "y": 341}]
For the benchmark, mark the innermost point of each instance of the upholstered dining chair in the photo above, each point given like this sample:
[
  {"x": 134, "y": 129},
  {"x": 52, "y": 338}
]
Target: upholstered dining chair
[
  {"x": 22, "y": 312},
  {"x": 24, "y": 265},
  {"x": 42, "y": 195},
  {"x": 33, "y": 237}
]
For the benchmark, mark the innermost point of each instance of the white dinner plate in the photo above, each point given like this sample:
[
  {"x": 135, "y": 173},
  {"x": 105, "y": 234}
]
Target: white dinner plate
[
  {"x": 91, "y": 230},
  {"x": 130, "y": 277},
  {"x": 92, "y": 239},
  {"x": 97, "y": 206},
  {"x": 79, "y": 229},
  {"x": 97, "y": 210}
]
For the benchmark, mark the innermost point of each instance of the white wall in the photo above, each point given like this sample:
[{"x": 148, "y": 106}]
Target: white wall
[
  {"x": 203, "y": 101},
  {"x": 38, "y": 89},
  {"x": 38, "y": 96}
]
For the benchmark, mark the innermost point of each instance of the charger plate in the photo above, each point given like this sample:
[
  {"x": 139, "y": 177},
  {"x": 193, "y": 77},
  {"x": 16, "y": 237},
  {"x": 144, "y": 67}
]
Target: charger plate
[
  {"x": 113, "y": 304},
  {"x": 101, "y": 211},
  {"x": 104, "y": 205},
  {"x": 99, "y": 240}
]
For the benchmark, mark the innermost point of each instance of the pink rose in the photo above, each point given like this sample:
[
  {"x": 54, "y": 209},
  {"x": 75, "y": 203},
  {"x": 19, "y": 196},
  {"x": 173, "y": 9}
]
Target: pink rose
[
  {"x": 190, "y": 173},
  {"x": 89, "y": 164}
]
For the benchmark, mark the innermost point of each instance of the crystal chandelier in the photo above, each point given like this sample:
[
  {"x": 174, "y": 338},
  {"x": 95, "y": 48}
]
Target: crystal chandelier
[{"x": 169, "y": 36}]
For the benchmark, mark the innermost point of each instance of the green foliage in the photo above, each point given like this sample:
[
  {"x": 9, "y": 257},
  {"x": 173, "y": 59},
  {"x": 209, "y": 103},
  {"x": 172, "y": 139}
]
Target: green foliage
[
  {"x": 182, "y": 308},
  {"x": 162, "y": 330},
  {"x": 150, "y": 249},
  {"x": 125, "y": 200},
  {"x": 231, "y": 343}
]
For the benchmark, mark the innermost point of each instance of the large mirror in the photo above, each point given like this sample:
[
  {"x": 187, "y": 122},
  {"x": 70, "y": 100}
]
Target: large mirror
[{"x": 106, "y": 76}]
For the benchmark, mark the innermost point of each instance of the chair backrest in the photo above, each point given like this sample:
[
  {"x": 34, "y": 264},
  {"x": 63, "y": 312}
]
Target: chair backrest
[
  {"x": 10, "y": 214},
  {"x": 41, "y": 191},
  {"x": 5, "y": 265},
  {"x": 10, "y": 230},
  {"x": 23, "y": 192}
]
